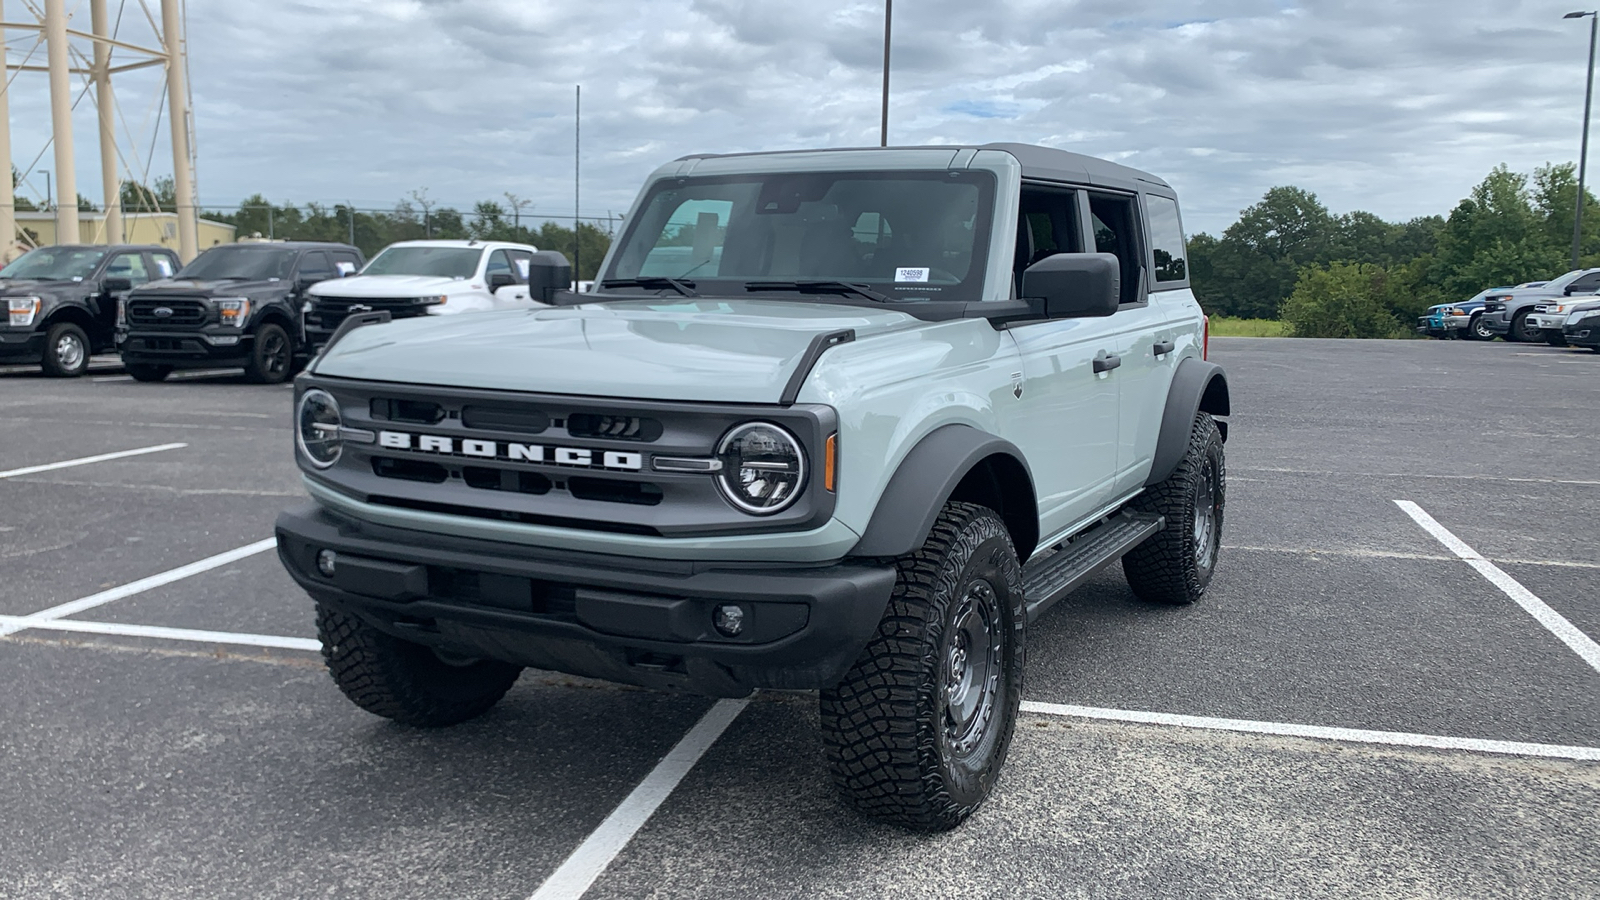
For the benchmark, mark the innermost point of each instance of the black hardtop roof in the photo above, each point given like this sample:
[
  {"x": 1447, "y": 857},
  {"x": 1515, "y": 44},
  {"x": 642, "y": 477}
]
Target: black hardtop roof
[{"x": 1043, "y": 163}]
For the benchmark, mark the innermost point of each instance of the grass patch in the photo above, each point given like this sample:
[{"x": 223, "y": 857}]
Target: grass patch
[{"x": 1227, "y": 326}]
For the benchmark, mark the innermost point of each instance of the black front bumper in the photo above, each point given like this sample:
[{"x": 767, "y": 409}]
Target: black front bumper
[
  {"x": 21, "y": 346},
  {"x": 183, "y": 349},
  {"x": 636, "y": 621},
  {"x": 1583, "y": 334}
]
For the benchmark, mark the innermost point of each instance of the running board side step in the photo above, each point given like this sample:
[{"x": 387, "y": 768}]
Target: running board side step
[{"x": 1047, "y": 579}]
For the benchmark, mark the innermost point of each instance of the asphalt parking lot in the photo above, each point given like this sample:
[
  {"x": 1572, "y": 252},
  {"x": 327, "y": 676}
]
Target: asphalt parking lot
[{"x": 1355, "y": 710}]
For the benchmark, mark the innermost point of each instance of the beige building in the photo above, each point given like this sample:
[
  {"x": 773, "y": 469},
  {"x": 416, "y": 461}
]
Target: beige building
[{"x": 38, "y": 229}]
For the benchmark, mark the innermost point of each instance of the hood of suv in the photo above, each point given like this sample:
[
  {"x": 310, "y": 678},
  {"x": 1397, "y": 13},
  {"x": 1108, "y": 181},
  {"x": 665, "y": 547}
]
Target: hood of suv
[
  {"x": 734, "y": 351},
  {"x": 172, "y": 287},
  {"x": 361, "y": 287}
]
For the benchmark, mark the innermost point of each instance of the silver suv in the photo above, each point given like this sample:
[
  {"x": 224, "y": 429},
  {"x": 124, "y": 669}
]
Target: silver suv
[
  {"x": 1507, "y": 314},
  {"x": 844, "y": 421}
]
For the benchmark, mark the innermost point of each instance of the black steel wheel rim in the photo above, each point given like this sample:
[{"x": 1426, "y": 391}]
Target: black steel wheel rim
[
  {"x": 1205, "y": 516},
  {"x": 275, "y": 354},
  {"x": 972, "y": 668}
]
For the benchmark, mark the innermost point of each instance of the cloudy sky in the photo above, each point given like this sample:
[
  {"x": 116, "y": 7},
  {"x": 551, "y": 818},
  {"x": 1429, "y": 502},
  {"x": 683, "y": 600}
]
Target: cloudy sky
[{"x": 1396, "y": 108}]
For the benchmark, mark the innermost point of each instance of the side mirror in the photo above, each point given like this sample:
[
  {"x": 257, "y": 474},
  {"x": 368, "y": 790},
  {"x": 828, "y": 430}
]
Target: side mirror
[
  {"x": 499, "y": 280},
  {"x": 305, "y": 281},
  {"x": 116, "y": 285},
  {"x": 548, "y": 272},
  {"x": 1074, "y": 285}
]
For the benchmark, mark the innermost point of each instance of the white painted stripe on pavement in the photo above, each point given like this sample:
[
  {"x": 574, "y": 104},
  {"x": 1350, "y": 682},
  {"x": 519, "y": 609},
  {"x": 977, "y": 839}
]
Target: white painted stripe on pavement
[
  {"x": 169, "y": 634},
  {"x": 578, "y": 873},
  {"x": 1555, "y": 622},
  {"x": 135, "y": 587},
  {"x": 1285, "y": 729},
  {"x": 90, "y": 459}
]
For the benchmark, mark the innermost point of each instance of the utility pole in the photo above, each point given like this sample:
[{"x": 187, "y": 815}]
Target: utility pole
[
  {"x": 178, "y": 104},
  {"x": 577, "y": 144},
  {"x": 60, "y": 64},
  {"x": 1583, "y": 155},
  {"x": 888, "y": 17},
  {"x": 8, "y": 195},
  {"x": 105, "y": 100}
]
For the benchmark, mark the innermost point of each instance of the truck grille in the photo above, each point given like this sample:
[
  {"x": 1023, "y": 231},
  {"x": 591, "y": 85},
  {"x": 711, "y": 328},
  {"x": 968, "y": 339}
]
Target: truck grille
[
  {"x": 329, "y": 312},
  {"x": 180, "y": 313}
]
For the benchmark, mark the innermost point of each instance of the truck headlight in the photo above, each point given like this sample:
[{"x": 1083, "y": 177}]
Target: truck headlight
[
  {"x": 317, "y": 428},
  {"x": 23, "y": 310},
  {"x": 763, "y": 468},
  {"x": 122, "y": 313},
  {"x": 234, "y": 311}
]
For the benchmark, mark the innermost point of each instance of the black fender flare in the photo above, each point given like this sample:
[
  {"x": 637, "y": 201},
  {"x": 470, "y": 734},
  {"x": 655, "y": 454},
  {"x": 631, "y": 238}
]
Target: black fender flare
[
  {"x": 1197, "y": 386},
  {"x": 927, "y": 478}
]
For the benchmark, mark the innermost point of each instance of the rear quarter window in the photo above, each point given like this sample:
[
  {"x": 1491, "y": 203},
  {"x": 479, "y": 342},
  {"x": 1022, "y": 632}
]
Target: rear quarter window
[{"x": 1166, "y": 239}]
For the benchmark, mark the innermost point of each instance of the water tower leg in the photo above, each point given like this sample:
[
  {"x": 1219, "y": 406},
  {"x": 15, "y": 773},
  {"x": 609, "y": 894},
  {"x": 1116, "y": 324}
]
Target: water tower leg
[
  {"x": 178, "y": 104},
  {"x": 107, "y": 103},
  {"x": 55, "y": 29},
  {"x": 8, "y": 200}
]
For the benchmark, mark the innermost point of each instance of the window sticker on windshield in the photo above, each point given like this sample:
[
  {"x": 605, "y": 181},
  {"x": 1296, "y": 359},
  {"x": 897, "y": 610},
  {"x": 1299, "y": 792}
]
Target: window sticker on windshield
[
  {"x": 904, "y": 274},
  {"x": 345, "y": 268},
  {"x": 522, "y": 268},
  {"x": 165, "y": 265}
]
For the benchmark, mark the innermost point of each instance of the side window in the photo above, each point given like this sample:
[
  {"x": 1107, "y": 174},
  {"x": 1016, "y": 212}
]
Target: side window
[
  {"x": 345, "y": 262},
  {"x": 691, "y": 242},
  {"x": 499, "y": 264},
  {"x": 1116, "y": 231},
  {"x": 1166, "y": 239},
  {"x": 1585, "y": 283},
  {"x": 1048, "y": 225},
  {"x": 314, "y": 265},
  {"x": 520, "y": 261},
  {"x": 129, "y": 266},
  {"x": 162, "y": 265}
]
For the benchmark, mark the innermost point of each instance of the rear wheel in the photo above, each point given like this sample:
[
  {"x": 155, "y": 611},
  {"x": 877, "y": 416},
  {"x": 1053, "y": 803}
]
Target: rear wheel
[
  {"x": 918, "y": 729},
  {"x": 66, "y": 351},
  {"x": 271, "y": 356},
  {"x": 145, "y": 372},
  {"x": 407, "y": 682},
  {"x": 1175, "y": 565}
]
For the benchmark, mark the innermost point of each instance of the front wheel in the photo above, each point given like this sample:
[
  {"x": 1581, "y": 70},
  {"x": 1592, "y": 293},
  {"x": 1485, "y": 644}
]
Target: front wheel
[
  {"x": 66, "y": 351},
  {"x": 1520, "y": 332},
  {"x": 1175, "y": 565},
  {"x": 271, "y": 356},
  {"x": 142, "y": 372},
  {"x": 918, "y": 730},
  {"x": 1556, "y": 339},
  {"x": 1478, "y": 330}
]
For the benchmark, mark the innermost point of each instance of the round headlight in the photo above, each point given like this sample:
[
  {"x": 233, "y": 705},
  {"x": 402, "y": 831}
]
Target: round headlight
[
  {"x": 763, "y": 468},
  {"x": 318, "y": 428}
]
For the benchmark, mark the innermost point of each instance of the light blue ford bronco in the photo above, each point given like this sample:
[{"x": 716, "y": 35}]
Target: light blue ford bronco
[{"x": 843, "y": 421}]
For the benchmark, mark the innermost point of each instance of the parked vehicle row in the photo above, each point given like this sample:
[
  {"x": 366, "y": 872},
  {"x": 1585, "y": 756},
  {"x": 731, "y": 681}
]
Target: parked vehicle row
[
  {"x": 267, "y": 307},
  {"x": 1511, "y": 314}
]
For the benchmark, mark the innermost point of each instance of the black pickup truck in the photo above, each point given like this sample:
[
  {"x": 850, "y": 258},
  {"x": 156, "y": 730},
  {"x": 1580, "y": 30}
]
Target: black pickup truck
[
  {"x": 235, "y": 305},
  {"x": 61, "y": 301}
]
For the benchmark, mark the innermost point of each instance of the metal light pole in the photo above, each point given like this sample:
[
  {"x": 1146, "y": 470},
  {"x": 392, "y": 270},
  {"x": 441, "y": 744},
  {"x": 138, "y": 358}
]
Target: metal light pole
[
  {"x": 888, "y": 18},
  {"x": 46, "y": 174},
  {"x": 1583, "y": 155}
]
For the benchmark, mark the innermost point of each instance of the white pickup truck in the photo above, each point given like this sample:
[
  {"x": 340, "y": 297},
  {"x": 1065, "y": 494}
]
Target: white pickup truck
[{"x": 424, "y": 278}]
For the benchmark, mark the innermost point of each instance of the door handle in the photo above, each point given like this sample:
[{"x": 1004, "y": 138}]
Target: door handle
[
  {"x": 1105, "y": 362},
  {"x": 1162, "y": 347}
]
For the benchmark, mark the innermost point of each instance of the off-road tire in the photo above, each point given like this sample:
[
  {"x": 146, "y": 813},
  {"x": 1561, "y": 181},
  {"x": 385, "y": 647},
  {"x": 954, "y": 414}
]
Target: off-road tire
[
  {"x": 1520, "y": 332},
  {"x": 1174, "y": 566},
  {"x": 1478, "y": 330},
  {"x": 893, "y": 729},
  {"x": 66, "y": 351},
  {"x": 144, "y": 372},
  {"x": 271, "y": 359},
  {"x": 403, "y": 681}
]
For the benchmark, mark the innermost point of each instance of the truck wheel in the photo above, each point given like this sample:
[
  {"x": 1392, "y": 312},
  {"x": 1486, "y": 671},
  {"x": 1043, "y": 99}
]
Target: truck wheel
[
  {"x": 407, "y": 682},
  {"x": 1520, "y": 332},
  {"x": 270, "y": 357},
  {"x": 1174, "y": 566},
  {"x": 1556, "y": 339},
  {"x": 918, "y": 730},
  {"x": 66, "y": 351},
  {"x": 1478, "y": 330},
  {"x": 141, "y": 372}
]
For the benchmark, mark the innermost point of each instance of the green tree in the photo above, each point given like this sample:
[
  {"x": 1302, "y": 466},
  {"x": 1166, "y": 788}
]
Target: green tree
[
  {"x": 1495, "y": 236},
  {"x": 1343, "y": 300},
  {"x": 1256, "y": 263}
]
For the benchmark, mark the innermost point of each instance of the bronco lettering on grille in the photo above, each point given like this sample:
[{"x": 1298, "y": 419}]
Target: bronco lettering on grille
[{"x": 504, "y": 450}]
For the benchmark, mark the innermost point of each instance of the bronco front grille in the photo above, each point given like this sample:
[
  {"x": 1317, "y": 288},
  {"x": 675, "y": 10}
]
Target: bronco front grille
[{"x": 159, "y": 312}]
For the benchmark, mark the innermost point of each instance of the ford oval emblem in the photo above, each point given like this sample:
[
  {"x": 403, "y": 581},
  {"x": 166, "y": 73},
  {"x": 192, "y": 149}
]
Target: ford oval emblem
[{"x": 163, "y": 311}]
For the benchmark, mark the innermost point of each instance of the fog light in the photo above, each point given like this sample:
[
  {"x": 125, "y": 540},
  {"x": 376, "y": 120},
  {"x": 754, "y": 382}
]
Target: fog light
[
  {"x": 327, "y": 560},
  {"x": 728, "y": 617},
  {"x": 225, "y": 341}
]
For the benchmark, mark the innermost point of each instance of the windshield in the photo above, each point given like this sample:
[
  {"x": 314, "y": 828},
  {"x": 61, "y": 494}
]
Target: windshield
[
  {"x": 240, "y": 263},
  {"x": 443, "y": 262},
  {"x": 54, "y": 264},
  {"x": 906, "y": 235}
]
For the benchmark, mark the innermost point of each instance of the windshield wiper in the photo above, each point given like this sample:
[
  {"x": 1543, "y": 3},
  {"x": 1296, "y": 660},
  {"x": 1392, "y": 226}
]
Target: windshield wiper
[
  {"x": 655, "y": 283},
  {"x": 820, "y": 287}
]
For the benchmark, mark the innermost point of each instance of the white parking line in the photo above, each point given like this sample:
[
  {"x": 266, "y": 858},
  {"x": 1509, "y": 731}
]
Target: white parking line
[
  {"x": 578, "y": 873},
  {"x": 156, "y": 631},
  {"x": 1285, "y": 729},
  {"x": 12, "y": 473},
  {"x": 15, "y": 624},
  {"x": 1556, "y": 623}
]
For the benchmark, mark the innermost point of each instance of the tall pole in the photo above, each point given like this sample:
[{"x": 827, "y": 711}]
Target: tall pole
[
  {"x": 8, "y": 196},
  {"x": 58, "y": 51},
  {"x": 178, "y": 105},
  {"x": 1583, "y": 155},
  {"x": 577, "y": 145},
  {"x": 888, "y": 18},
  {"x": 107, "y": 103}
]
